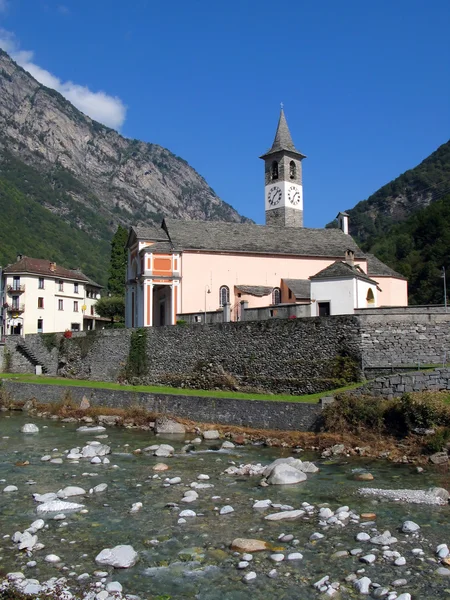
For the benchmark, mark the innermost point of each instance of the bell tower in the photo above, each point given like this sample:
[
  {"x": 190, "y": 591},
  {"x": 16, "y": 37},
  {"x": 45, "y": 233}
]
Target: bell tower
[{"x": 283, "y": 179}]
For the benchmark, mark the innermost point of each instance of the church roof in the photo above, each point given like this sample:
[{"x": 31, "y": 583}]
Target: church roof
[
  {"x": 341, "y": 269},
  {"x": 255, "y": 290},
  {"x": 377, "y": 268},
  {"x": 216, "y": 236},
  {"x": 283, "y": 139},
  {"x": 301, "y": 288}
]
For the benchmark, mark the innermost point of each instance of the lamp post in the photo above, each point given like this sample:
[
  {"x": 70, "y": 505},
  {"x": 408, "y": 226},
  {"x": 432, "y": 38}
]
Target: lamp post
[
  {"x": 445, "y": 288},
  {"x": 207, "y": 291}
]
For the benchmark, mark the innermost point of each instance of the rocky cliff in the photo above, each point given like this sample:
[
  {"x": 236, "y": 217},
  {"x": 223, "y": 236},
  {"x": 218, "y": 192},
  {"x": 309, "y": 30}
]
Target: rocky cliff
[{"x": 124, "y": 180}]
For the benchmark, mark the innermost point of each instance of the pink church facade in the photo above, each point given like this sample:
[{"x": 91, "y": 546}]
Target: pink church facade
[{"x": 198, "y": 268}]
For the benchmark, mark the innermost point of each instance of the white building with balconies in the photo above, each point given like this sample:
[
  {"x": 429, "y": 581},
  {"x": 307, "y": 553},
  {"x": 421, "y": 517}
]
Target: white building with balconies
[{"x": 40, "y": 296}]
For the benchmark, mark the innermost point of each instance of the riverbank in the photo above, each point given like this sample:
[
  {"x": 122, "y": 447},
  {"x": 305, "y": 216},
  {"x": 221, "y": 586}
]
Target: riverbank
[{"x": 400, "y": 431}]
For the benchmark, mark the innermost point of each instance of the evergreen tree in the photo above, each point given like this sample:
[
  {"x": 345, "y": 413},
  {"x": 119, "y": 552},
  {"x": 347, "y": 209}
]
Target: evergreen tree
[{"x": 118, "y": 263}]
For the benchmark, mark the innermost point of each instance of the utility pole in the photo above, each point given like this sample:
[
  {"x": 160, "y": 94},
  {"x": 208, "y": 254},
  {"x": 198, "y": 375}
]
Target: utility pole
[{"x": 445, "y": 288}]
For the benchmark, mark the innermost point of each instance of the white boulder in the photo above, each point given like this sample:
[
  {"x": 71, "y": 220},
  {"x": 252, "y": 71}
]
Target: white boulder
[
  {"x": 119, "y": 557},
  {"x": 29, "y": 428}
]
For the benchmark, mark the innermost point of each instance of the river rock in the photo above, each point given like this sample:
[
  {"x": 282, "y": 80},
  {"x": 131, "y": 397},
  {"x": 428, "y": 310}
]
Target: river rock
[
  {"x": 385, "y": 539},
  {"x": 284, "y": 474},
  {"x": 248, "y": 577},
  {"x": 295, "y": 556},
  {"x": 439, "y": 458},
  {"x": 27, "y": 541},
  {"x": 225, "y": 510},
  {"x": 58, "y": 506},
  {"x": 248, "y": 545},
  {"x": 45, "y": 497},
  {"x": 160, "y": 467},
  {"x": 109, "y": 420},
  {"x": 95, "y": 429},
  {"x": 442, "y": 551},
  {"x": 71, "y": 490},
  {"x": 285, "y": 515},
  {"x": 262, "y": 504},
  {"x": 119, "y": 557},
  {"x": 36, "y": 525},
  {"x": 211, "y": 434},
  {"x": 29, "y": 428},
  {"x": 168, "y": 426},
  {"x": 52, "y": 558},
  {"x": 227, "y": 445},
  {"x": 101, "y": 487},
  {"x": 164, "y": 451},
  {"x": 187, "y": 513},
  {"x": 410, "y": 527},
  {"x": 114, "y": 587},
  {"x": 136, "y": 507},
  {"x": 95, "y": 449},
  {"x": 362, "y": 585},
  {"x": 10, "y": 488},
  {"x": 364, "y": 477}
]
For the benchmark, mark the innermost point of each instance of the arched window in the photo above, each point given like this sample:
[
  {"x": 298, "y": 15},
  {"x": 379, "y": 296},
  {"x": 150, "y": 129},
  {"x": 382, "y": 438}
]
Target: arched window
[
  {"x": 292, "y": 170},
  {"x": 370, "y": 297},
  {"x": 274, "y": 173},
  {"x": 224, "y": 295},
  {"x": 276, "y": 296}
]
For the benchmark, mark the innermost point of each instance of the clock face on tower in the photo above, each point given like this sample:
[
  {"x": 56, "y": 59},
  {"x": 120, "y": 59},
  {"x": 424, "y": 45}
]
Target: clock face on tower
[
  {"x": 274, "y": 195},
  {"x": 294, "y": 195}
]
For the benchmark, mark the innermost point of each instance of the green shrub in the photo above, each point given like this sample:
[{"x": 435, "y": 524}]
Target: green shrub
[
  {"x": 423, "y": 410},
  {"x": 137, "y": 363},
  {"x": 438, "y": 441}
]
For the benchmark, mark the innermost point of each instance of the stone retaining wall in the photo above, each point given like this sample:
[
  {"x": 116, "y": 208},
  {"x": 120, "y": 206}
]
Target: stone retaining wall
[
  {"x": 396, "y": 385},
  {"x": 257, "y": 414}
]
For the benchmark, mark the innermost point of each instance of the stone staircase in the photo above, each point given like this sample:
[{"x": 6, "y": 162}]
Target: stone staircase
[{"x": 30, "y": 354}]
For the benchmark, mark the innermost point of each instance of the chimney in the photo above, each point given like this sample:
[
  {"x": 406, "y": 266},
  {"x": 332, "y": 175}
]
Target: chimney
[
  {"x": 342, "y": 218},
  {"x": 350, "y": 258},
  {"x": 19, "y": 257},
  {"x": 52, "y": 267}
]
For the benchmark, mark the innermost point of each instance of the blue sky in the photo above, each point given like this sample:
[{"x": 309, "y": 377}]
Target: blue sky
[{"x": 365, "y": 86}]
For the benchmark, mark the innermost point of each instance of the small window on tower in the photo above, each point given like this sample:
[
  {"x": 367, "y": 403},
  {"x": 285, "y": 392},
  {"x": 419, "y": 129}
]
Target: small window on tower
[
  {"x": 292, "y": 170},
  {"x": 274, "y": 173}
]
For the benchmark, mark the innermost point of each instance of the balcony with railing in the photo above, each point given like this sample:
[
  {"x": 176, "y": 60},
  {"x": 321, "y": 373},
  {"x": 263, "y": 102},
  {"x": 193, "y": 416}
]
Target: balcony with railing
[
  {"x": 14, "y": 308},
  {"x": 15, "y": 288}
]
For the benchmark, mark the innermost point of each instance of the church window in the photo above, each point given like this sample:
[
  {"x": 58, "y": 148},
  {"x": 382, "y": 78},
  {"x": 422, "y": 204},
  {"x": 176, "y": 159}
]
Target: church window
[
  {"x": 224, "y": 295},
  {"x": 370, "y": 297},
  {"x": 276, "y": 296},
  {"x": 274, "y": 174},
  {"x": 292, "y": 170}
]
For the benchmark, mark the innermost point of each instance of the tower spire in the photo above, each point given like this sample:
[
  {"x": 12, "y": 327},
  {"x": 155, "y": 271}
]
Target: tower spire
[{"x": 283, "y": 138}]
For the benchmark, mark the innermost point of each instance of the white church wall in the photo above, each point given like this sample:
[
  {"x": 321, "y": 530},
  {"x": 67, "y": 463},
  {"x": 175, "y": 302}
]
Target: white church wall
[{"x": 339, "y": 293}]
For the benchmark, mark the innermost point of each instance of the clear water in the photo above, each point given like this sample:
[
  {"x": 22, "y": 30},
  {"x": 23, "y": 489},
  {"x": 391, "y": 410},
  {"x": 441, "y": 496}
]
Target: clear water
[{"x": 194, "y": 560}]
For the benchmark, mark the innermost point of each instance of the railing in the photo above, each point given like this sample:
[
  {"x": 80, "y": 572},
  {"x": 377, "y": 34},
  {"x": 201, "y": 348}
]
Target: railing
[
  {"x": 15, "y": 289},
  {"x": 15, "y": 308}
]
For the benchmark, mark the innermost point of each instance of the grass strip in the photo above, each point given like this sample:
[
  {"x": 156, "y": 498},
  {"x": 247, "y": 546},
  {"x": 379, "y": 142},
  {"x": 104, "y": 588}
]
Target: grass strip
[{"x": 154, "y": 389}]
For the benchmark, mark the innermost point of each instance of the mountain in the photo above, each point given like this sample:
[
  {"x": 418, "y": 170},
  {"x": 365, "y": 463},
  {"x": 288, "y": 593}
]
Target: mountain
[
  {"x": 80, "y": 179},
  {"x": 406, "y": 224},
  {"x": 395, "y": 202}
]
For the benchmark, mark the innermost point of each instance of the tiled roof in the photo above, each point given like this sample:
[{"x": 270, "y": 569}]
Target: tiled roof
[
  {"x": 341, "y": 269},
  {"x": 255, "y": 290},
  {"x": 260, "y": 239},
  {"x": 40, "y": 266},
  {"x": 283, "y": 139},
  {"x": 150, "y": 233},
  {"x": 376, "y": 267},
  {"x": 301, "y": 288}
]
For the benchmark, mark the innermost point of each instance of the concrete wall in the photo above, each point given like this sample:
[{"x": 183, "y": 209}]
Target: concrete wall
[{"x": 257, "y": 414}]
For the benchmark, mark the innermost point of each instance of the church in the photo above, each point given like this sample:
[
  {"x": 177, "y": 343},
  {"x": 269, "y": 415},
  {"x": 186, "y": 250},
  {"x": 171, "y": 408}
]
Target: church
[{"x": 209, "y": 271}]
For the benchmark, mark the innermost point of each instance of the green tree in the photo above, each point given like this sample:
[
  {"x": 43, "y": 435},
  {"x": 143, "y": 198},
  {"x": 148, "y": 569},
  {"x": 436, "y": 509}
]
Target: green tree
[
  {"x": 111, "y": 307},
  {"x": 118, "y": 263}
]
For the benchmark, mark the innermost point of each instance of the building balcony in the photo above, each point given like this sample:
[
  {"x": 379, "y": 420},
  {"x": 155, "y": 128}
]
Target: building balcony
[
  {"x": 15, "y": 289},
  {"x": 15, "y": 308}
]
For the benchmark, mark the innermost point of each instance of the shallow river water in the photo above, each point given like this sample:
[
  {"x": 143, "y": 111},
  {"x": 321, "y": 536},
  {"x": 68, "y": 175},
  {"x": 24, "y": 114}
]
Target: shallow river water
[{"x": 194, "y": 560}]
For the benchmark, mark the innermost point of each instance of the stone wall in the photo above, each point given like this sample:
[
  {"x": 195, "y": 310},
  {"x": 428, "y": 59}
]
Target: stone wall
[
  {"x": 298, "y": 355},
  {"x": 396, "y": 385},
  {"x": 404, "y": 340},
  {"x": 279, "y": 355},
  {"x": 257, "y": 414}
]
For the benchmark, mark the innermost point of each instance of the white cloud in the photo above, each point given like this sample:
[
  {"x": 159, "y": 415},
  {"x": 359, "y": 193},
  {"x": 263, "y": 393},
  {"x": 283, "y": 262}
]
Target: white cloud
[{"x": 109, "y": 110}]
